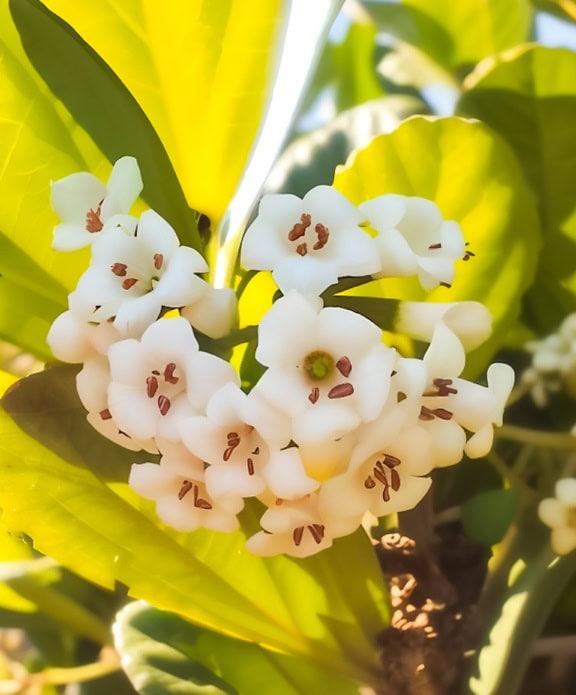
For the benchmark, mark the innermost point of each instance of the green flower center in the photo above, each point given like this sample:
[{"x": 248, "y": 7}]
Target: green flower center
[{"x": 319, "y": 365}]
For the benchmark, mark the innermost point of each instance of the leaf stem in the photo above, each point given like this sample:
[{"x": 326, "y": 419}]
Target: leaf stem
[{"x": 554, "y": 440}]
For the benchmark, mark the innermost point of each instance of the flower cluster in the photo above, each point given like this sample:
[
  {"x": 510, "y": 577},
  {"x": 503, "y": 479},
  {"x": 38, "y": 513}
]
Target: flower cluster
[
  {"x": 338, "y": 425},
  {"x": 553, "y": 367}
]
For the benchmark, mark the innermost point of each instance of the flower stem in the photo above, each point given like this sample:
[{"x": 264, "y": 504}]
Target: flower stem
[{"x": 554, "y": 440}]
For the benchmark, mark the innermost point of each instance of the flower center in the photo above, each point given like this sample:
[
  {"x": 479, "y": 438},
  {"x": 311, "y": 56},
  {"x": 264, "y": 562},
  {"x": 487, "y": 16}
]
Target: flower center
[
  {"x": 298, "y": 234},
  {"x": 165, "y": 380},
  {"x": 319, "y": 365},
  {"x": 385, "y": 473},
  {"x": 93, "y": 220}
]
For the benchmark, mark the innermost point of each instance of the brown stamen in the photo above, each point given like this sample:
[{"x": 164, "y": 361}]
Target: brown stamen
[
  {"x": 302, "y": 249},
  {"x": 379, "y": 474},
  {"x": 344, "y": 366},
  {"x": 158, "y": 260},
  {"x": 256, "y": 451},
  {"x": 119, "y": 269},
  {"x": 163, "y": 405},
  {"x": 386, "y": 493},
  {"x": 169, "y": 373},
  {"x": 250, "y": 464},
  {"x": 317, "y": 532},
  {"x": 391, "y": 461},
  {"x": 322, "y": 233},
  {"x": 297, "y": 535},
  {"x": 444, "y": 387},
  {"x": 299, "y": 229},
  {"x": 435, "y": 246},
  {"x": 93, "y": 221},
  {"x": 198, "y": 501},
  {"x": 446, "y": 284},
  {"x": 341, "y": 391},
  {"x": 314, "y": 395},
  {"x": 151, "y": 386},
  {"x": 395, "y": 480},
  {"x": 129, "y": 282},
  {"x": 105, "y": 414},
  {"x": 369, "y": 483},
  {"x": 185, "y": 489},
  {"x": 429, "y": 414}
]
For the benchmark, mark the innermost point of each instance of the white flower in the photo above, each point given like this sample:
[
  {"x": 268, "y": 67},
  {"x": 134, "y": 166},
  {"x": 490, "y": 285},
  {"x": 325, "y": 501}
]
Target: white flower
[
  {"x": 92, "y": 384},
  {"x": 293, "y": 528},
  {"x": 182, "y": 501},
  {"x": 132, "y": 277},
  {"x": 413, "y": 238},
  {"x": 161, "y": 379},
  {"x": 87, "y": 207},
  {"x": 308, "y": 244},
  {"x": 327, "y": 370},
  {"x": 214, "y": 313},
  {"x": 559, "y": 513},
  {"x": 72, "y": 339},
  {"x": 227, "y": 438}
]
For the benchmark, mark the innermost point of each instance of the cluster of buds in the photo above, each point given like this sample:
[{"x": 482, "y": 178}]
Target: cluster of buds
[{"x": 338, "y": 425}]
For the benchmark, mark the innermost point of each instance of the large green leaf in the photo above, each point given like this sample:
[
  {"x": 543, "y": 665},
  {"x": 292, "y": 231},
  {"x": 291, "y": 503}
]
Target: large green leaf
[
  {"x": 475, "y": 179},
  {"x": 102, "y": 105},
  {"x": 324, "y": 607},
  {"x": 529, "y": 97},
  {"x": 163, "y": 653},
  {"x": 199, "y": 70},
  {"x": 456, "y": 34}
]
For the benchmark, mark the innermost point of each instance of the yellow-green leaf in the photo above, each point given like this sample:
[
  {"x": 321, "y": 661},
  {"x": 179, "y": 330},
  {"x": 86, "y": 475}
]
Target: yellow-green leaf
[
  {"x": 200, "y": 71},
  {"x": 474, "y": 178}
]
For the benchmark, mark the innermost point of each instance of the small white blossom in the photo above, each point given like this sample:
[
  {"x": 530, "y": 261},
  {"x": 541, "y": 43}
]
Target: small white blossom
[
  {"x": 132, "y": 277},
  {"x": 308, "y": 244},
  {"x": 87, "y": 207},
  {"x": 182, "y": 500},
  {"x": 327, "y": 370},
  {"x": 214, "y": 313},
  {"x": 161, "y": 379},
  {"x": 72, "y": 339},
  {"x": 559, "y": 513},
  {"x": 414, "y": 239}
]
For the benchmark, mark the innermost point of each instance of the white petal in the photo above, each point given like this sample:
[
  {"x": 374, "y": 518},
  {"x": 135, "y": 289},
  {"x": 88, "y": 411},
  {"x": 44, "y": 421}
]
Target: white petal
[
  {"x": 286, "y": 477},
  {"x": 179, "y": 286},
  {"x": 563, "y": 539},
  {"x": 480, "y": 443},
  {"x": 135, "y": 315},
  {"x": 124, "y": 184},
  {"x": 68, "y": 338},
  {"x": 324, "y": 422},
  {"x": 215, "y": 313},
  {"x": 156, "y": 235},
  {"x": 73, "y": 196},
  {"x": 552, "y": 512},
  {"x": 385, "y": 211},
  {"x": 132, "y": 411},
  {"x": 566, "y": 491}
]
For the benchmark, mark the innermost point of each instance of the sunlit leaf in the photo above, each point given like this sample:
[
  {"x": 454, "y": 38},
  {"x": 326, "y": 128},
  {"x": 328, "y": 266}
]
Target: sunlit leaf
[
  {"x": 306, "y": 607},
  {"x": 456, "y": 34},
  {"x": 163, "y": 653},
  {"x": 529, "y": 97},
  {"x": 6, "y": 380},
  {"x": 199, "y": 70},
  {"x": 475, "y": 179},
  {"x": 566, "y": 9},
  {"x": 102, "y": 105}
]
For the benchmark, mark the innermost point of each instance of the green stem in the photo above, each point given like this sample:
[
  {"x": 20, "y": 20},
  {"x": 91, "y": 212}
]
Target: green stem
[{"x": 554, "y": 440}]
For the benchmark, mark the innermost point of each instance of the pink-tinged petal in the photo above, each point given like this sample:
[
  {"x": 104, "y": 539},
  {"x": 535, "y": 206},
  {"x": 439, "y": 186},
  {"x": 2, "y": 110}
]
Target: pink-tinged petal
[
  {"x": 180, "y": 515},
  {"x": 135, "y": 315},
  {"x": 108, "y": 429},
  {"x": 168, "y": 425},
  {"x": 69, "y": 339},
  {"x": 92, "y": 384},
  {"x": 124, "y": 185},
  {"x": 286, "y": 477},
  {"x": 177, "y": 460},
  {"x": 179, "y": 286},
  {"x": 223, "y": 481},
  {"x": 286, "y": 331},
  {"x": 284, "y": 517},
  {"x": 156, "y": 235},
  {"x": 384, "y": 212},
  {"x": 215, "y": 313},
  {"x": 132, "y": 411},
  {"x": 150, "y": 481},
  {"x": 129, "y": 362},
  {"x": 73, "y": 196},
  {"x": 227, "y": 405},
  {"x": 324, "y": 422},
  {"x": 203, "y": 438}
]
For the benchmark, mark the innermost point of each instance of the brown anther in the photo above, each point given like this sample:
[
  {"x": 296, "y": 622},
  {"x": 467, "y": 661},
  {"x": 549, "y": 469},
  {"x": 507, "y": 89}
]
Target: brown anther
[
  {"x": 158, "y": 260},
  {"x": 299, "y": 229},
  {"x": 119, "y": 269},
  {"x": 386, "y": 493},
  {"x": 302, "y": 249},
  {"x": 250, "y": 464},
  {"x": 369, "y": 483},
  {"x": 446, "y": 284},
  {"x": 279, "y": 502},
  {"x": 394, "y": 480},
  {"x": 314, "y": 395},
  {"x": 322, "y": 233},
  {"x": 155, "y": 372},
  {"x": 198, "y": 501},
  {"x": 468, "y": 255},
  {"x": 344, "y": 366},
  {"x": 185, "y": 489},
  {"x": 151, "y": 386},
  {"x": 105, "y": 414},
  {"x": 93, "y": 221},
  {"x": 435, "y": 246},
  {"x": 444, "y": 387},
  {"x": 128, "y": 283},
  {"x": 379, "y": 474},
  {"x": 443, "y": 414},
  {"x": 163, "y": 405},
  {"x": 169, "y": 373},
  {"x": 426, "y": 413},
  {"x": 256, "y": 451},
  {"x": 317, "y": 532},
  {"x": 341, "y": 391},
  {"x": 227, "y": 453},
  {"x": 297, "y": 535},
  {"x": 231, "y": 436},
  {"x": 391, "y": 461}
]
